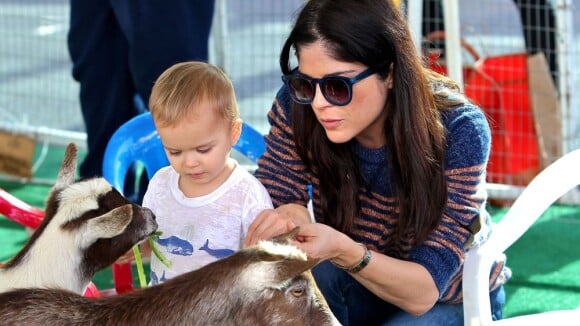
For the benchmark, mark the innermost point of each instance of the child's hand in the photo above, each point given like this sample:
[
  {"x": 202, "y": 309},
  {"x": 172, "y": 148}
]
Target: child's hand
[
  {"x": 129, "y": 256},
  {"x": 145, "y": 249}
]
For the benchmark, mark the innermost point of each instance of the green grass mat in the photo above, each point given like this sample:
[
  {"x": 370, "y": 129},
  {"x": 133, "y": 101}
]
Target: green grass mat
[{"x": 545, "y": 263}]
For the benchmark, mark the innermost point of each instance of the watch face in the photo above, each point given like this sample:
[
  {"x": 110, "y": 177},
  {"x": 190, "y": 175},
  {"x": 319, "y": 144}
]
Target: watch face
[{"x": 360, "y": 265}]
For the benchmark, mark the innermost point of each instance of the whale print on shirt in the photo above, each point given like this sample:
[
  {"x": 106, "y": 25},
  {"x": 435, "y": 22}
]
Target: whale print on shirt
[
  {"x": 155, "y": 280},
  {"x": 176, "y": 245},
  {"x": 217, "y": 253}
]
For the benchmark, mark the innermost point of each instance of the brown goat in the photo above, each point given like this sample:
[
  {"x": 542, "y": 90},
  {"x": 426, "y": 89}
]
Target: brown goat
[
  {"x": 268, "y": 284},
  {"x": 87, "y": 226}
]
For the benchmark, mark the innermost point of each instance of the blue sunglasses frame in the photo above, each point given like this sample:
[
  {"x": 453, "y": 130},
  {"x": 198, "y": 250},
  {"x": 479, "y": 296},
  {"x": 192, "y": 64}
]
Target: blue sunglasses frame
[{"x": 322, "y": 82}]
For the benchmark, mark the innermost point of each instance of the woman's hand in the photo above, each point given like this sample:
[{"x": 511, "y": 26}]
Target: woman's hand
[
  {"x": 316, "y": 240},
  {"x": 320, "y": 241},
  {"x": 273, "y": 222}
]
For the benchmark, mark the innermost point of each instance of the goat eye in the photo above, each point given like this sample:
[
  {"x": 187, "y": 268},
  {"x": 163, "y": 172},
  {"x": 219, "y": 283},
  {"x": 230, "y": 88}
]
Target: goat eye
[{"x": 297, "y": 292}]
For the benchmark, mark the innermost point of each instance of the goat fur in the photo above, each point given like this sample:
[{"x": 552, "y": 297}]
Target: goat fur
[{"x": 87, "y": 226}]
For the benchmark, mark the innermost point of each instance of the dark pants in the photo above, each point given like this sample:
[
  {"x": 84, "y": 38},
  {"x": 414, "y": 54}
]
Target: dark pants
[
  {"x": 119, "y": 48},
  {"x": 353, "y": 304}
]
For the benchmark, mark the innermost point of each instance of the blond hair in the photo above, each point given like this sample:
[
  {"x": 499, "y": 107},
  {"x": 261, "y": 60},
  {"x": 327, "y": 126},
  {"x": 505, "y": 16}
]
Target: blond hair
[{"x": 182, "y": 87}]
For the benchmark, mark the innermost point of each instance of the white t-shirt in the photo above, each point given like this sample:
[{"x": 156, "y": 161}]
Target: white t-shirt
[{"x": 198, "y": 231}]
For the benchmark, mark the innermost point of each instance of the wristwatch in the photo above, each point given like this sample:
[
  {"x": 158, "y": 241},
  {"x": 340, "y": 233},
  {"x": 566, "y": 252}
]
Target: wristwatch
[{"x": 360, "y": 265}]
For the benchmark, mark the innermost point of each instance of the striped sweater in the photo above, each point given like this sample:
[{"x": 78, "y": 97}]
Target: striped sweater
[{"x": 465, "y": 222}]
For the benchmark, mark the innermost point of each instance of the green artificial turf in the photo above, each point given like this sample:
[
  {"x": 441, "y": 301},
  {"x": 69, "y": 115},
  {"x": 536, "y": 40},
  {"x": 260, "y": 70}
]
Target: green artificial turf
[{"x": 545, "y": 264}]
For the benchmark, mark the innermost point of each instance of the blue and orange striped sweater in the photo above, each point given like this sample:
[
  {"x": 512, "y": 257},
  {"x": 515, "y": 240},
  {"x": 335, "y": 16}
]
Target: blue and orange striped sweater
[{"x": 465, "y": 222}]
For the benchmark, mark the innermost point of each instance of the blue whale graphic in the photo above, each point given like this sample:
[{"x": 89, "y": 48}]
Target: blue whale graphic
[
  {"x": 155, "y": 280},
  {"x": 176, "y": 245},
  {"x": 217, "y": 253}
]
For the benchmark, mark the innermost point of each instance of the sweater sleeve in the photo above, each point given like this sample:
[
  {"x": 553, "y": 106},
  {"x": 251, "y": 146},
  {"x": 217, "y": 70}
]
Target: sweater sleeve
[
  {"x": 468, "y": 146},
  {"x": 281, "y": 169}
]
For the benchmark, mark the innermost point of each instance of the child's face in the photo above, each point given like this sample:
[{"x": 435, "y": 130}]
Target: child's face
[{"x": 198, "y": 149}]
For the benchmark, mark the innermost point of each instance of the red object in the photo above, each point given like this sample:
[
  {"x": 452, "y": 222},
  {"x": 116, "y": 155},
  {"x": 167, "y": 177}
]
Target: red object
[
  {"x": 123, "y": 277},
  {"x": 499, "y": 85},
  {"x": 506, "y": 102},
  {"x": 18, "y": 211},
  {"x": 92, "y": 291}
]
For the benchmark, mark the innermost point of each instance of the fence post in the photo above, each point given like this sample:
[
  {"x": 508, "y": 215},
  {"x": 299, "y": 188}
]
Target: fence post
[{"x": 452, "y": 41}]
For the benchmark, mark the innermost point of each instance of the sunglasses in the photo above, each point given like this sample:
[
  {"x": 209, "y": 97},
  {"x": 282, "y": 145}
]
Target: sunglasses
[{"x": 337, "y": 90}]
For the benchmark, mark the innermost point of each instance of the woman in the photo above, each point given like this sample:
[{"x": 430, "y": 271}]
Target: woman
[{"x": 396, "y": 158}]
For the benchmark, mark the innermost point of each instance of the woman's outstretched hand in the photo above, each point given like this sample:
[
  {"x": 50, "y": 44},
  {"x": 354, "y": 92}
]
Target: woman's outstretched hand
[
  {"x": 273, "y": 222},
  {"x": 320, "y": 241}
]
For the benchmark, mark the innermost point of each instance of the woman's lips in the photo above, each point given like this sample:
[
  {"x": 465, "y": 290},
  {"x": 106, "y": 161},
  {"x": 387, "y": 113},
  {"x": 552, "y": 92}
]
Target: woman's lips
[{"x": 330, "y": 123}]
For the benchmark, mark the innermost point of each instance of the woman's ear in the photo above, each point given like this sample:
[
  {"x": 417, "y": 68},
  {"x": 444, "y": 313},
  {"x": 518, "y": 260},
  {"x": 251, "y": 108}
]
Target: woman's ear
[{"x": 236, "y": 130}]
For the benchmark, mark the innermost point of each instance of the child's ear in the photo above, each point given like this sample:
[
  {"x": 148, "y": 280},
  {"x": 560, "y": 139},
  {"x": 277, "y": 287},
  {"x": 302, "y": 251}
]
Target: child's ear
[{"x": 236, "y": 130}]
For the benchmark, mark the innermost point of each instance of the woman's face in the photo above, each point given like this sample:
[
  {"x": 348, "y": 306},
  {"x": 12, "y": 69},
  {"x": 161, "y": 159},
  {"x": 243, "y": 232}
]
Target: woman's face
[{"x": 362, "y": 118}]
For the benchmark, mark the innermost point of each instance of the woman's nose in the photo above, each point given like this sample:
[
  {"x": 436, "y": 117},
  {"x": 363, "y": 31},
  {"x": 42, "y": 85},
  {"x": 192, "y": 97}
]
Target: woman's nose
[{"x": 319, "y": 101}]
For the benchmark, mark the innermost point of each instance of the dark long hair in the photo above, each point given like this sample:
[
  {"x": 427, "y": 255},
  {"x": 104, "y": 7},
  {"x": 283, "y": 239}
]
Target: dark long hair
[{"x": 374, "y": 33}]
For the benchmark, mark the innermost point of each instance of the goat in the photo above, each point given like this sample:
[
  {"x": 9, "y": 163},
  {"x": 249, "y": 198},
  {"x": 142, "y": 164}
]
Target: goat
[
  {"x": 87, "y": 226},
  {"x": 267, "y": 284}
]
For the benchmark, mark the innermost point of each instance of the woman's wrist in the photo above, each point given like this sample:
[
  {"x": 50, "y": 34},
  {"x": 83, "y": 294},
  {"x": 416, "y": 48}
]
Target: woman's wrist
[{"x": 359, "y": 265}]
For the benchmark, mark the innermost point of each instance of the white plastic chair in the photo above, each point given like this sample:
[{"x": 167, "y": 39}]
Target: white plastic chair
[{"x": 547, "y": 187}]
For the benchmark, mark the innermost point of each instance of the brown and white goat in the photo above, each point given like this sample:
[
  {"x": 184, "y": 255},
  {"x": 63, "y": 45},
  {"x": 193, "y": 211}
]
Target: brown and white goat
[
  {"x": 87, "y": 226},
  {"x": 268, "y": 284}
]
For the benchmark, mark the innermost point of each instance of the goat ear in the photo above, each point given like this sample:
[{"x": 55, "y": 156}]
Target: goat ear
[
  {"x": 290, "y": 268},
  {"x": 287, "y": 237},
  {"x": 287, "y": 259},
  {"x": 112, "y": 223},
  {"x": 294, "y": 266},
  {"x": 275, "y": 266},
  {"x": 66, "y": 174}
]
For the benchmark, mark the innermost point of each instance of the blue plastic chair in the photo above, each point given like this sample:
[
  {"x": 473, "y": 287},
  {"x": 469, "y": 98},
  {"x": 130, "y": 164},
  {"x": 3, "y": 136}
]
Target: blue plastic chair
[{"x": 137, "y": 141}]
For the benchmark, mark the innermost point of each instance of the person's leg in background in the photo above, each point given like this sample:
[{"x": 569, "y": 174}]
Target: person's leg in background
[
  {"x": 98, "y": 49},
  {"x": 118, "y": 49},
  {"x": 160, "y": 34},
  {"x": 539, "y": 27},
  {"x": 164, "y": 33}
]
